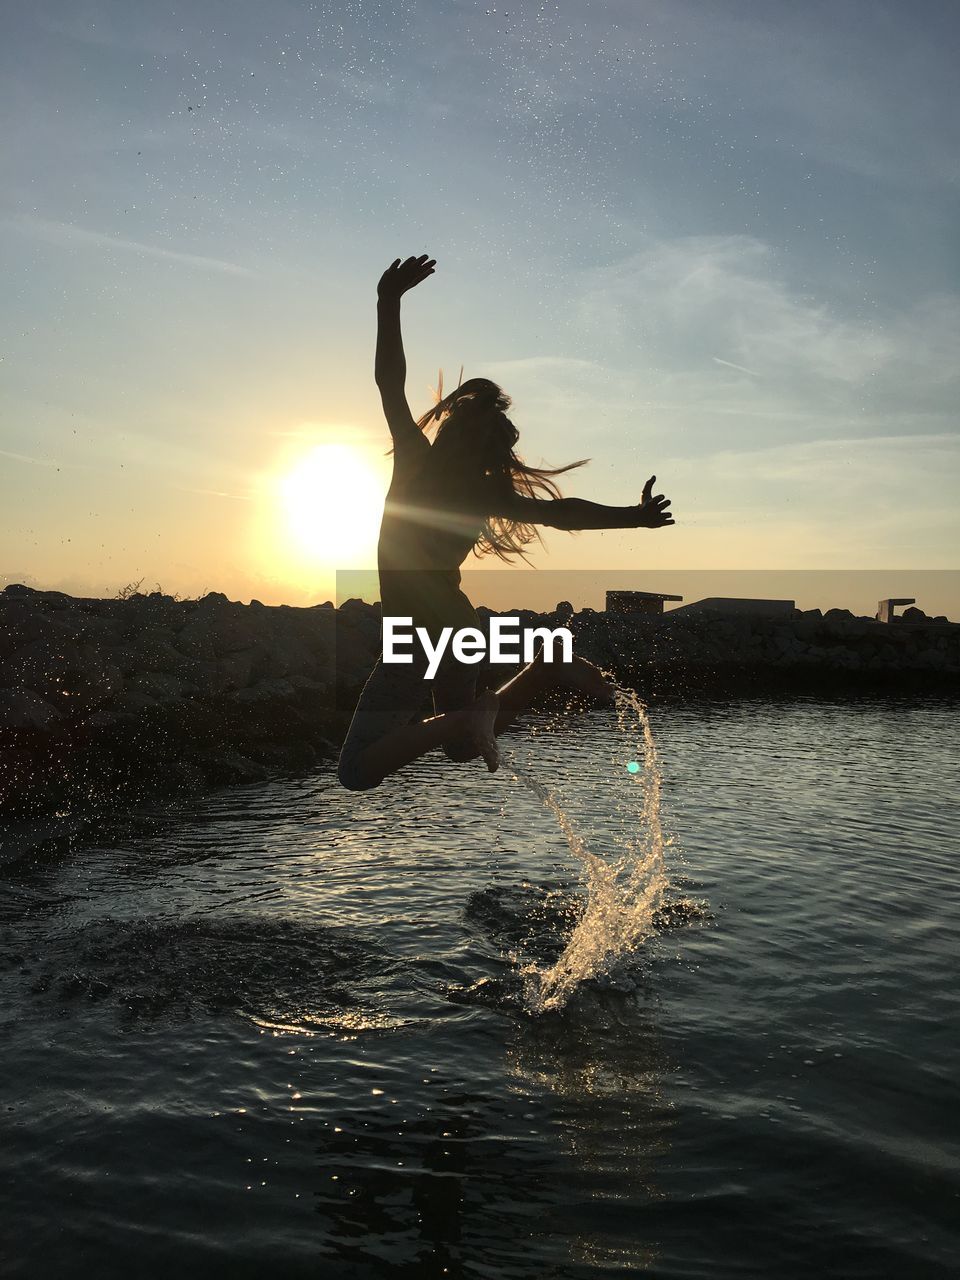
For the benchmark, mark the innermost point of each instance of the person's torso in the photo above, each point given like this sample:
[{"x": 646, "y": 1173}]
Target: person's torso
[{"x": 425, "y": 535}]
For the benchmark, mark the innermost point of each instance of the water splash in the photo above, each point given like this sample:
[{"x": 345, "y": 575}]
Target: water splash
[{"x": 624, "y": 885}]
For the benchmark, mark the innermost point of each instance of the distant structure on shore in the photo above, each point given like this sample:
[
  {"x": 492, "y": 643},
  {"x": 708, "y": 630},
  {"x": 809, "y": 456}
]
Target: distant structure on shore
[
  {"x": 634, "y": 602},
  {"x": 885, "y": 609},
  {"x": 650, "y": 604}
]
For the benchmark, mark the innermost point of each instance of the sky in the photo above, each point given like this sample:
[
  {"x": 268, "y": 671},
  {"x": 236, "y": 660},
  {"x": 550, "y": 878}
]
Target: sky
[{"x": 714, "y": 242}]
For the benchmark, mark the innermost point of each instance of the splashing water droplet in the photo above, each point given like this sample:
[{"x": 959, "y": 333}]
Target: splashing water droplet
[{"x": 624, "y": 887}]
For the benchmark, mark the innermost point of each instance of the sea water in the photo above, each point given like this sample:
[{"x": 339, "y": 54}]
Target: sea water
[{"x": 248, "y": 1036}]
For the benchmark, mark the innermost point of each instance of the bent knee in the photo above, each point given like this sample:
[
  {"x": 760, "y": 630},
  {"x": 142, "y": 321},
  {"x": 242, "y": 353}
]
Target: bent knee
[
  {"x": 351, "y": 776},
  {"x": 460, "y": 750}
]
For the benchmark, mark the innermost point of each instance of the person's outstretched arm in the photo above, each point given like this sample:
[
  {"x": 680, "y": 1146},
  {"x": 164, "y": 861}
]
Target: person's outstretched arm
[
  {"x": 651, "y": 512},
  {"x": 390, "y": 369}
]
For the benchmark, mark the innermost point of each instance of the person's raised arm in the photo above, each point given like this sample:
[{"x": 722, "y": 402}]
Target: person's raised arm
[
  {"x": 577, "y": 513},
  {"x": 390, "y": 368}
]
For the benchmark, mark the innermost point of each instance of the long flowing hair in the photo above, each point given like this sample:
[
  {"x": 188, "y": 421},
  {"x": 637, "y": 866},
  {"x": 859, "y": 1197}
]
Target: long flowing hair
[{"x": 475, "y": 441}]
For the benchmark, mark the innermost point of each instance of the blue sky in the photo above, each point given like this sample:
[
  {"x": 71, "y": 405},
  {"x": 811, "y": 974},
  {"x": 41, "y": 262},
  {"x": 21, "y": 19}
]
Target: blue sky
[{"x": 712, "y": 241}]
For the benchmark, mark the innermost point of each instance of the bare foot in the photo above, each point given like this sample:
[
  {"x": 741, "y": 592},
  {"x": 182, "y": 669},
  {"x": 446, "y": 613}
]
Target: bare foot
[
  {"x": 587, "y": 678},
  {"x": 479, "y": 730}
]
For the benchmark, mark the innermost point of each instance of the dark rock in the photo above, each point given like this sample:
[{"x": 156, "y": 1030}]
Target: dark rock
[
  {"x": 239, "y": 670},
  {"x": 20, "y": 710},
  {"x": 159, "y": 686},
  {"x": 102, "y": 680},
  {"x": 202, "y": 679},
  {"x": 266, "y": 691},
  {"x": 104, "y": 719},
  {"x": 21, "y": 626},
  {"x": 54, "y": 600},
  {"x": 132, "y": 702},
  {"x": 49, "y": 667},
  {"x": 210, "y": 634},
  {"x": 154, "y": 647}
]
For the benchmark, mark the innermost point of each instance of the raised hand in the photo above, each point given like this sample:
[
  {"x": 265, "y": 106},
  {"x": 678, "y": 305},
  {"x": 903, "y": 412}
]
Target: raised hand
[
  {"x": 401, "y": 276},
  {"x": 652, "y": 512}
]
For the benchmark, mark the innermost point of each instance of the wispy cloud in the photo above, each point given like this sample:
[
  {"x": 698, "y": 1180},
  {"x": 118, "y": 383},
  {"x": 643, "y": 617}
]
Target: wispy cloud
[
  {"x": 658, "y": 311},
  {"x": 866, "y": 500},
  {"x": 26, "y": 457},
  {"x": 215, "y": 493},
  {"x": 675, "y": 296},
  {"x": 548, "y": 364},
  {"x": 739, "y": 367},
  {"x": 68, "y": 234}
]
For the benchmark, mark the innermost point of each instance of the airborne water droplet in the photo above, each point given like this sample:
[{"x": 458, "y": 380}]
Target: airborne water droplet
[{"x": 624, "y": 889}]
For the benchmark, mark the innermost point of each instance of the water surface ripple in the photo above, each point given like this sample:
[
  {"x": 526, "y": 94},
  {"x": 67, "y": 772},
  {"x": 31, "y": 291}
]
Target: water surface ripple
[{"x": 285, "y": 1032}]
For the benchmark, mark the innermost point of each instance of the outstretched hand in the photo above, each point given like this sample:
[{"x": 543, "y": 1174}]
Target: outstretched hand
[
  {"x": 652, "y": 512},
  {"x": 401, "y": 276}
]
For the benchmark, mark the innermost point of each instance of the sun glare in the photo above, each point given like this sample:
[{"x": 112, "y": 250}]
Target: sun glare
[{"x": 331, "y": 500}]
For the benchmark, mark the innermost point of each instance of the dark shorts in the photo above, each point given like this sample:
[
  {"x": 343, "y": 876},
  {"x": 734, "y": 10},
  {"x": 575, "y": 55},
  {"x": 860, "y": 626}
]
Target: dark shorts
[{"x": 396, "y": 694}]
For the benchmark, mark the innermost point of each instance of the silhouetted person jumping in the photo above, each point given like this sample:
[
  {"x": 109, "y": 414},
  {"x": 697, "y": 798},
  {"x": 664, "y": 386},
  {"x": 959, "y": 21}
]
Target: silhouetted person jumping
[{"x": 466, "y": 491}]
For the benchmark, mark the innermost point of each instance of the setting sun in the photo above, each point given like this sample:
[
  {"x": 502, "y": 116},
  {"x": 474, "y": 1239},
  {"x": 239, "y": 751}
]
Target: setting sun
[
  {"x": 331, "y": 500},
  {"x": 319, "y": 510}
]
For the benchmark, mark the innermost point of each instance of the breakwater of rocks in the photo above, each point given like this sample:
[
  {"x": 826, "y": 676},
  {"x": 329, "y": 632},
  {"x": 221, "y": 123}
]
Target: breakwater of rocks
[{"x": 107, "y": 702}]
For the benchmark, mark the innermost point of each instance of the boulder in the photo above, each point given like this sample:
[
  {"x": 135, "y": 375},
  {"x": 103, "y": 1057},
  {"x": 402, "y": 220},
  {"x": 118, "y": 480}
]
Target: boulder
[
  {"x": 102, "y": 680},
  {"x": 51, "y": 668},
  {"x": 211, "y": 633},
  {"x": 239, "y": 670},
  {"x": 52, "y": 601},
  {"x": 20, "y": 627},
  {"x": 92, "y": 628},
  {"x": 154, "y": 647},
  {"x": 159, "y": 686},
  {"x": 22, "y": 710},
  {"x": 266, "y": 691},
  {"x": 112, "y": 719},
  {"x": 131, "y": 702}
]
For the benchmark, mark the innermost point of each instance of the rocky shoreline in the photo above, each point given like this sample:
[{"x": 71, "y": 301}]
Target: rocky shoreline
[{"x": 113, "y": 702}]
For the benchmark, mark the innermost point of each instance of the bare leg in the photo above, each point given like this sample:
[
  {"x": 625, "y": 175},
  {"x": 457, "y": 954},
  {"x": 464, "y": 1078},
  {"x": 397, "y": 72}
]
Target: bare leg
[
  {"x": 474, "y": 723},
  {"x": 538, "y": 676},
  {"x": 482, "y": 720}
]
